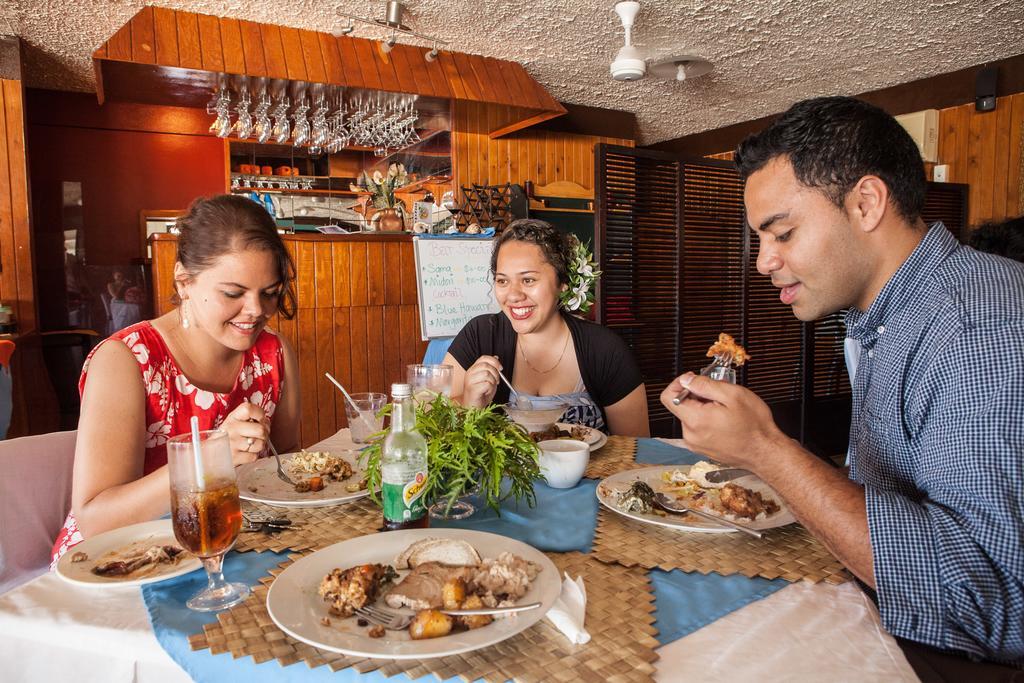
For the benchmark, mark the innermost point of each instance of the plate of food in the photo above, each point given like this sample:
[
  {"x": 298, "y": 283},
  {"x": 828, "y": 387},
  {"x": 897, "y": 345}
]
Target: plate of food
[
  {"x": 419, "y": 572},
  {"x": 745, "y": 500},
  {"x": 130, "y": 556},
  {"x": 594, "y": 438},
  {"x": 321, "y": 478}
]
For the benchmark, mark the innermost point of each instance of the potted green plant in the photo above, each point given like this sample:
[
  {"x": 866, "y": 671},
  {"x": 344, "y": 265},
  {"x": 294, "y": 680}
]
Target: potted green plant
[
  {"x": 390, "y": 209},
  {"x": 471, "y": 451}
]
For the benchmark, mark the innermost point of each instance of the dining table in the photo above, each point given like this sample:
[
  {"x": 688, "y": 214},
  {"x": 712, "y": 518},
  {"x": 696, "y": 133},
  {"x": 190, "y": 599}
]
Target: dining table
[{"x": 708, "y": 626}]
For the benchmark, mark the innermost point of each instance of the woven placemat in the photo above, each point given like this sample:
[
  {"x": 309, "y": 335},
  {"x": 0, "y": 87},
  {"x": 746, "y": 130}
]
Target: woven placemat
[
  {"x": 789, "y": 552},
  {"x": 313, "y": 528},
  {"x": 615, "y": 456},
  {"x": 620, "y": 619}
]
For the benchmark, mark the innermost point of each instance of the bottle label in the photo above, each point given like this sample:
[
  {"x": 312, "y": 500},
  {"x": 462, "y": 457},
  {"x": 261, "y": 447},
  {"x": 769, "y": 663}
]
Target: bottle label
[{"x": 404, "y": 502}]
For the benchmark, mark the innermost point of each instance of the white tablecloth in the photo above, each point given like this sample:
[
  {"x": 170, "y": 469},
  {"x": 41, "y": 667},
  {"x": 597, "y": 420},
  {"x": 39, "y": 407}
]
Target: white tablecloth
[{"x": 51, "y": 630}]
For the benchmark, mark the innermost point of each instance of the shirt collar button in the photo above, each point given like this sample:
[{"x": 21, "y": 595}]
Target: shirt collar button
[{"x": 881, "y": 329}]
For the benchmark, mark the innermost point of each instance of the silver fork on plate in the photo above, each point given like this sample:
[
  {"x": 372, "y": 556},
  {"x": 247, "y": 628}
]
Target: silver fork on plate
[
  {"x": 280, "y": 470},
  {"x": 673, "y": 505},
  {"x": 395, "y": 620},
  {"x": 389, "y": 619}
]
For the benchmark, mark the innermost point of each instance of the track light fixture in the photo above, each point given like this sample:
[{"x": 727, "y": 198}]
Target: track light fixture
[
  {"x": 344, "y": 30},
  {"x": 393, "y": 19}
]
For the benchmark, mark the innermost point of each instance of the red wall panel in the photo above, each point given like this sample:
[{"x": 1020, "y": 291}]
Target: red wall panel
[{"x": 128, "y": 158}]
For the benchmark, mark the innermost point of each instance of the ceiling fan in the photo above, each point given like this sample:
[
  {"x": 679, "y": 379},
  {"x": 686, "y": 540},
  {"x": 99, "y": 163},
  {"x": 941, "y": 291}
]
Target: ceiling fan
[{"x": 630, "y": 64}]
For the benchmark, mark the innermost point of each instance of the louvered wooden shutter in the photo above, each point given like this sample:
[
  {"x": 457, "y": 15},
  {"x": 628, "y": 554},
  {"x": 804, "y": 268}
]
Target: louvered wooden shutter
[
  {"x": 680, "y": 266},
  {"x": 714, "y": 247},
  {"x": 947, "y": 202},
  {"x": 637, "y": 248}
]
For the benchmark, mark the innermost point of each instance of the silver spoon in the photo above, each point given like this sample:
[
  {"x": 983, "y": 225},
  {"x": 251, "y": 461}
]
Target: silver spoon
[
  {"x": 521, "y": 402},
  {"x": 673, "y": 505}
]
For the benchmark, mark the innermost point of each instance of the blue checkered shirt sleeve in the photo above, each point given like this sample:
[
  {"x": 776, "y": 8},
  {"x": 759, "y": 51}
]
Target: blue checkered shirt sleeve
[{"x": 949, "y": 565}]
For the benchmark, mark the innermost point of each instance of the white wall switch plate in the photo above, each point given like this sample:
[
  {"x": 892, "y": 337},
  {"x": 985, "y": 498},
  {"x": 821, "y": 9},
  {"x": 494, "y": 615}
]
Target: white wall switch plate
[{"x": 941, "y": 173}]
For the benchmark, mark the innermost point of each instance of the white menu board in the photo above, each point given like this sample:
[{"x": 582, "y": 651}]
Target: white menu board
[{"x": 453, "y": 279}]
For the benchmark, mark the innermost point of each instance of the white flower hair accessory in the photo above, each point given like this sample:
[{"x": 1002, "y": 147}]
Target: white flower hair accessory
[{"x": 583, "y": 273}]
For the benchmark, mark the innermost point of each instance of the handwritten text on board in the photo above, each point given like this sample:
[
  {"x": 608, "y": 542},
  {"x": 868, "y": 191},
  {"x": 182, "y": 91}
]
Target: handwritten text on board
[{"x": 454, "y": 284}]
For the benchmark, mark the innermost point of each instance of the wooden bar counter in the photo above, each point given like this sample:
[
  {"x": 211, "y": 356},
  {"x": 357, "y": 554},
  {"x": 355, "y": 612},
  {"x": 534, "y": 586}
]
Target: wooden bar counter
[{"x": 357, "y": 318}]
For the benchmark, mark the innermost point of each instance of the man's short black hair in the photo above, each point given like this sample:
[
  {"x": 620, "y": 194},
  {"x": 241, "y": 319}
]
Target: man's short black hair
[
  {"x": 833, "y": 142},
  {"x": 1005, "y": 238}
]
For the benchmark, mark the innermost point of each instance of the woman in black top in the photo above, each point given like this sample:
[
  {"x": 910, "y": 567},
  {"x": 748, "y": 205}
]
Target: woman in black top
[{"x": 544, "y": 351}]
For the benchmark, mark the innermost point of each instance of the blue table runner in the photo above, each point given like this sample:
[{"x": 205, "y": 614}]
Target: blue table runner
[{"x": 685, "y": 602}]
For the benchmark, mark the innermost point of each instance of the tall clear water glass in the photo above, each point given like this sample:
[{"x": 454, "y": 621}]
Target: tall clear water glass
[{"x": 428, "y": 381}]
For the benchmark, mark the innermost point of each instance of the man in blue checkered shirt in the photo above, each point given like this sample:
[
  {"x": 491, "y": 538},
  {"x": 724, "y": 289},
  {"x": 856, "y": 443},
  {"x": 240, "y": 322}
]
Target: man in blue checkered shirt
[{"x": 932, "y": 513}]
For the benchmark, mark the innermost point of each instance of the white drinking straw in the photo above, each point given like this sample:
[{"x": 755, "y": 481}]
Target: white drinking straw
[
  {"x": 197, "y": 454},
  {"x": 359, "y": 413},
  {"x": 338, "y": 384}
]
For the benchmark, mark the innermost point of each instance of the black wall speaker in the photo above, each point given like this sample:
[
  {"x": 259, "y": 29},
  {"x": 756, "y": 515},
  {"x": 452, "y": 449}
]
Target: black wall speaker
[{"x": 985, "y": 89}]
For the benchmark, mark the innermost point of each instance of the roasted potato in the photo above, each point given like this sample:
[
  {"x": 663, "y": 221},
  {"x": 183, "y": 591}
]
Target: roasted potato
[
  {"x": 474, "y": 621},
  {"x": 453, "y": 593},
  {"x": 430, "y": 623}
]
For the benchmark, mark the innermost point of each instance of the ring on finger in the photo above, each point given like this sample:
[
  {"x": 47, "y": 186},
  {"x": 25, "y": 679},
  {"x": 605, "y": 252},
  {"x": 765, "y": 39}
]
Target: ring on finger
[{"x": 248, "y": 443}]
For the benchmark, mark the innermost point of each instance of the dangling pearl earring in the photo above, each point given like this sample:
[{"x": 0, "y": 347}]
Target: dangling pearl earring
[{"x": 185, "y": 324}]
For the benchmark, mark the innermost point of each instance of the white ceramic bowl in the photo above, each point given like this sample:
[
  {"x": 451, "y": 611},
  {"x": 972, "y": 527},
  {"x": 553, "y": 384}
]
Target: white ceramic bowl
[
  {"x": 563, "y": 461},
  {"x": 535, "y": 420}
]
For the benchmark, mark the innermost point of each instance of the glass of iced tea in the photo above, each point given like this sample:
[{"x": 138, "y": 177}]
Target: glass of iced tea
[{"x": 205, "y": 512}]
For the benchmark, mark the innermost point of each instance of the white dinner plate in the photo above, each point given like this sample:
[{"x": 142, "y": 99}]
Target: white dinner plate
[
  {"x": 158, "y": 532},
  {"x": 652, "y": 475},
  {"x": 258, "y": 482},
  {"x": 595, "y": 438},
  {"x": 295, "y": 606}
]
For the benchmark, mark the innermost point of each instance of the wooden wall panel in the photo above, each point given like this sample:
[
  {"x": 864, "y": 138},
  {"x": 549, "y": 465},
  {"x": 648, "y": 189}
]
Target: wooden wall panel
[
  {"x": 367, "y": 64},
  {"x": 234, "y": 52},
  {"x": 34, "y": 408},
  {"x": 17, "y": 282},
  {"x": 223, "y": 44},
  {"x": 295, "y": 63},
  {"x": 120, "y": 44},
  {"x": 273, "y": 51},
  {"x": 165, "y": 36},
  {"x": 365, "y": 345},
  {"x": 190, "y": 55},
  {"x": 210, "y": 43},
  {"x": 316, "y": 70},
  {"x": 323, "y": 390},
  {"x": 332, "y": 58},
  {"x": 983, "y": 149},
  {"x": 143, "y": 37},
  {"x": 537, "y": 155},
  {"x": 252, "y": 46}
]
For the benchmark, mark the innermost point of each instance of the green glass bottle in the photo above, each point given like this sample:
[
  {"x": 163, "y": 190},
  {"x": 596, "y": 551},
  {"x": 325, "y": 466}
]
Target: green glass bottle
[{"x": 403, "y": 465}]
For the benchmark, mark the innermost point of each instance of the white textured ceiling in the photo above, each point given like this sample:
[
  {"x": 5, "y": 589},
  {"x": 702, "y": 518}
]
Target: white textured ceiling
[{"x": 767, "y": 53}]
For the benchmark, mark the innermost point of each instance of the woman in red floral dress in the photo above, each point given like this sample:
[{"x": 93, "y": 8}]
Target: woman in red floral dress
[{"x": 211, "y": 357}]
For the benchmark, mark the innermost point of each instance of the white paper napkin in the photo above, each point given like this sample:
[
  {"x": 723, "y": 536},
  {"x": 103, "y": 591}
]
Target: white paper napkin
[{"x": 569, "y": 611}]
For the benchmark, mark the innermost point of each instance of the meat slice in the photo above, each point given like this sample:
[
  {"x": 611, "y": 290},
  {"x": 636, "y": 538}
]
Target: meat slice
[
  {"x": 158, "y": 554},
  {"x": 422, "y": 587}
]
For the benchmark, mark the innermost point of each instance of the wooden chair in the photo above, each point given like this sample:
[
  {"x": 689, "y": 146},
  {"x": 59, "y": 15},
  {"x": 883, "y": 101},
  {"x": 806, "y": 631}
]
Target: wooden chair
[{"x": 35, "y": 497}]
